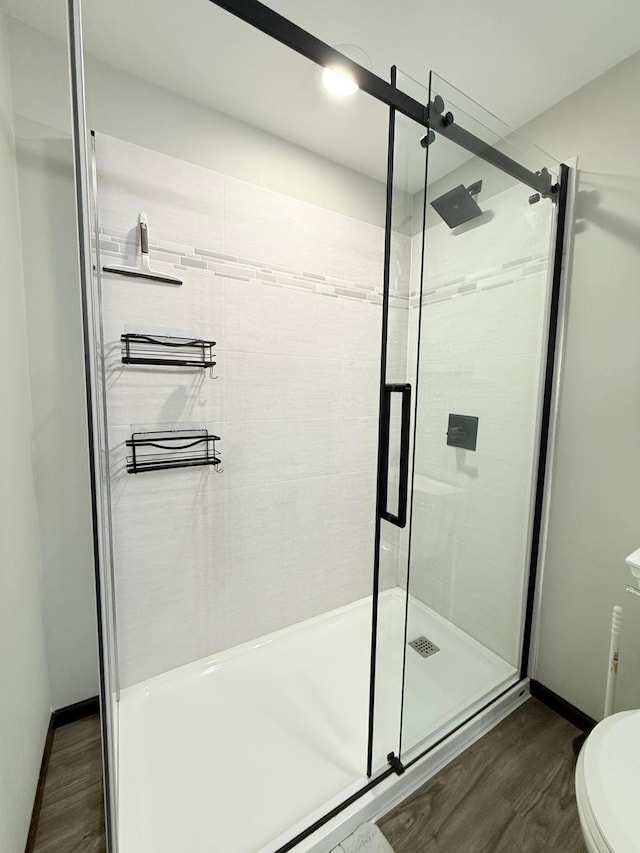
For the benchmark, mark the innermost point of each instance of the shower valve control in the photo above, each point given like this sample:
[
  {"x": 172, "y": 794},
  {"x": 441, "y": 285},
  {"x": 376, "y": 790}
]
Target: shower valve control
[{"x": 462, "y": 431}]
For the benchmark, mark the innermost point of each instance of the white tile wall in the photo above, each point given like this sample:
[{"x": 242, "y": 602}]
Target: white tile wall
[
  {"x": 259, "y": 223},
  {"x": 268, "y": 387},
  {"x": 291, "y": 293},
  {"x": 184, "y": 203}
]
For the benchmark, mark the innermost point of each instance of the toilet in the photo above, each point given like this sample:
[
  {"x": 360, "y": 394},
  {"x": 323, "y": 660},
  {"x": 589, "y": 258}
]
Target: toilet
[{"x": 608, "y": 785}]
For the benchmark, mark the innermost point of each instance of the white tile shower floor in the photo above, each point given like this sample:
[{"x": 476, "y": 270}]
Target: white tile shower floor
[{"x": 237, "y": 752}]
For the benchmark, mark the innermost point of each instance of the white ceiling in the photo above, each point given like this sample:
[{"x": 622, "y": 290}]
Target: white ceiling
[{"x": 516, "y": 57}]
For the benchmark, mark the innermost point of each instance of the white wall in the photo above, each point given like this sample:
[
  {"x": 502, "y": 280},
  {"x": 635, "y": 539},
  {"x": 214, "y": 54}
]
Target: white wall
[
  {"x": 595, "y": 498},
  {"x": 24, "y": 690}
]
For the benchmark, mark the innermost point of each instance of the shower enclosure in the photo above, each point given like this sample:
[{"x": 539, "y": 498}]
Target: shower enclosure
[{"x": 320, "y": 347}]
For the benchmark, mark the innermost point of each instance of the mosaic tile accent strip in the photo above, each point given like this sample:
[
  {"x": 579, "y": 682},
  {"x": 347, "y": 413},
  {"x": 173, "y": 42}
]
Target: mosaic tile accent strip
[
  {"x": 115, "y": 243},
  {"x": 440, "y": 288}
]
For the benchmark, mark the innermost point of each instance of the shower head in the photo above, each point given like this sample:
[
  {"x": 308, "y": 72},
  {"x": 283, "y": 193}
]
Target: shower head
[{"x": 458, "y": 205}]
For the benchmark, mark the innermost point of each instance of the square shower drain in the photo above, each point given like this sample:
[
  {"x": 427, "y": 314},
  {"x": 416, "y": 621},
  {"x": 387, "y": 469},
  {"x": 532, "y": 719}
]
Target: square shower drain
[{"x": 424, "y": 647}]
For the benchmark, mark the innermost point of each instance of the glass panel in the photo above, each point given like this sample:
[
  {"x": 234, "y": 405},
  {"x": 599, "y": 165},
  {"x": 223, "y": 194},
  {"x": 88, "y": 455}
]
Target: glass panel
[
  {"x": 405, "y": 252},
  {"x": 481, "y": 353},
  {"x": 242, "y": 589},
  {"x": 44, "y": 400}
]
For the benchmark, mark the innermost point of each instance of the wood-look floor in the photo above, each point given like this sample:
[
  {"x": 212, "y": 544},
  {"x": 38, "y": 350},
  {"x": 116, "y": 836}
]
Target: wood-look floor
[
  {"x": 72, "y": 817},
  {"x": 511, "y": 792}
]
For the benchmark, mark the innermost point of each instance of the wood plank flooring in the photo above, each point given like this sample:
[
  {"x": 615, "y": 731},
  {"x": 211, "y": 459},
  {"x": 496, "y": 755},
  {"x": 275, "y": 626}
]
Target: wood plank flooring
[
  {"x": 511, "y": 792},
  {"x": 72, "y": 817}
]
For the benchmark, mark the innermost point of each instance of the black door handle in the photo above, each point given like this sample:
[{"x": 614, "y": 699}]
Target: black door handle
[{"x": 399, "y": 519}]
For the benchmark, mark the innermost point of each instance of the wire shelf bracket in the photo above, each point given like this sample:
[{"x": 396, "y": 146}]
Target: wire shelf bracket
[
  {"x": 167, "y": 449},
  {"x": 165, "y": 350}
]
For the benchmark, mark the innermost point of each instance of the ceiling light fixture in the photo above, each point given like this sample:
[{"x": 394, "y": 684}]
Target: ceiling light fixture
[
  {"x": 339, "y": 83},
  {"x": 339, "y": 80}
]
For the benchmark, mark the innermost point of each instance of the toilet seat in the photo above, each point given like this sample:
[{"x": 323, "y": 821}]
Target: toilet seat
[
  {"x": 608, "y": 785},
  {"x": 594, "y": 840}
]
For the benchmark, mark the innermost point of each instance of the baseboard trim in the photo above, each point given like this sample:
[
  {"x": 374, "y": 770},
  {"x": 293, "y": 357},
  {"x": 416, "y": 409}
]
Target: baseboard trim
[
  {"x": 37, "y": 802},
  {"x": 574, "y": 715},
  {"x": 75, "y": 712},
  {"x": 61, "y": 717}
]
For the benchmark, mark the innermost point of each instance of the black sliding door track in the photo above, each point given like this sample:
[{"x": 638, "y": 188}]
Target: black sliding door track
[{"x": 428, "y": 115}]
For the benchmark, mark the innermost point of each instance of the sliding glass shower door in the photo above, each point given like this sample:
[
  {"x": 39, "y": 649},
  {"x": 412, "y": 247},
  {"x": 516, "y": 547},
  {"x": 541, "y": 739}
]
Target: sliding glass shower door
[{"x": 477, "y": 342}]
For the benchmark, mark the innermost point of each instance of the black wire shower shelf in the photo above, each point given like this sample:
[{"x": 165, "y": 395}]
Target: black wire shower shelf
[
  {"x": 167, "y": 350},
  {"x": 166, "y": 449}
]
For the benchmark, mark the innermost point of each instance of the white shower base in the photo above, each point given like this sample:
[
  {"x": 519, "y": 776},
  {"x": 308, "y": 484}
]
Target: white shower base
[{"x": 237, "y": 752}]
